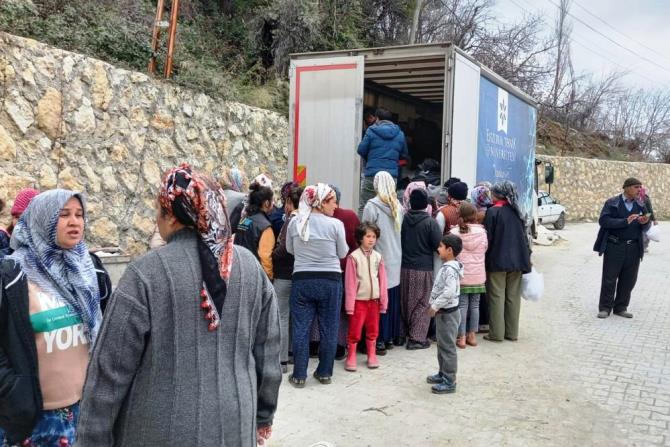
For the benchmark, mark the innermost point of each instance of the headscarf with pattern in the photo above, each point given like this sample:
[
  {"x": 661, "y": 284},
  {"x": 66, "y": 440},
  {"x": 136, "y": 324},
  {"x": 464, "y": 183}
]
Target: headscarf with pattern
[
  {"x": 263, "y": 180},
  {"x": 507, "y": 190},
  {"x": 405, "y": 198},
  {"x": 385, "y": 188},
  {"x": 236, "y": 178},
  {"x": 68, "y": 274},
  {"x": 481, "y": 197},
  {"x": 197, "y": 200},
  {"x": 313, "y": 197}
]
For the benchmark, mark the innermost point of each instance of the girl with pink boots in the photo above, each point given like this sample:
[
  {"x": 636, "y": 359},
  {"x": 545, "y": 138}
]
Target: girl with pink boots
[
  {"x": 365, "y": 294},
  {"x": 475, "y": 243}
]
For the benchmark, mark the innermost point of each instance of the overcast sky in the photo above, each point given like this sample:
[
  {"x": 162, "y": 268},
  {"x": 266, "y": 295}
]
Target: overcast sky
[{"x": 642, "y": 26}]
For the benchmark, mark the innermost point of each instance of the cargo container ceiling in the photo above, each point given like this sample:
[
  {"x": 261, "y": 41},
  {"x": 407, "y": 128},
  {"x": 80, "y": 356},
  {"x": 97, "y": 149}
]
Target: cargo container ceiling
[{"x": 420, "y": 77}]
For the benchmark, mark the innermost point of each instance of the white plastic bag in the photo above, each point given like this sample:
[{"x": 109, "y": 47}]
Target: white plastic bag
[
  {"x": 654, "y": 233},
  {"x": 532, "y": 285}
]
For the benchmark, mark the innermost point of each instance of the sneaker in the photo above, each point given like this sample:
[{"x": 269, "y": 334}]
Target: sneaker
[
  {"x": 435, "y": 378},
  {"x": 411, "y": 344},
  {"x": 446, "y": 387},
  {"x": 603, "y": 314},
  {"x": 623, "y": 313}
]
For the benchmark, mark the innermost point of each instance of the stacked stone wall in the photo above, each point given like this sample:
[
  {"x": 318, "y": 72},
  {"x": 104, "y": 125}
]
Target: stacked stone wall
[
  {"x": 70, "y": 121},
  {"x": 582, "y": 184}
]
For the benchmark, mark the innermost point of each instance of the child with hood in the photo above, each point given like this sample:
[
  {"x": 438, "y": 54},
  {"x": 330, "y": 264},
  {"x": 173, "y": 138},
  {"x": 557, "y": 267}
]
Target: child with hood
[
  {"x": 444, "y": 307},
  {"x": 475, "y": 243}
]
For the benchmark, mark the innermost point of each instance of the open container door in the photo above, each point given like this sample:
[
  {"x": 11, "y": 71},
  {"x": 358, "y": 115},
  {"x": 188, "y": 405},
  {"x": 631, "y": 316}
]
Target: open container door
[
  {"x": 465, "y": 114},
  {"x": 325, "y": 119}
]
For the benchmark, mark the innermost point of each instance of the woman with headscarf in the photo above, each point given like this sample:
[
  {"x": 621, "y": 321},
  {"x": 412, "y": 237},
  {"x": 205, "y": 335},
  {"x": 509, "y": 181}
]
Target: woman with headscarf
[
  {"x": 507, "y": 258},
  {"x": 408, "y": 192},
  {"x": 317, "y": 241},
  {"x": 480, "y": 196},
  {"x": 189, "y": 351},
  {"x": 51, "y": 317},
  {"x": 385, "y": 211},
  {"x": 420, "y": 237}
]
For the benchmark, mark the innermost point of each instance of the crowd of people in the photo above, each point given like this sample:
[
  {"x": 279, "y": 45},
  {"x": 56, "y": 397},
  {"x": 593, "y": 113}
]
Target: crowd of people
[{"x": 222, "y": 309}]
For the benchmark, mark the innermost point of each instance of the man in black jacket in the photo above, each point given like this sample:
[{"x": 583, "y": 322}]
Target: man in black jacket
[{"x": 622, "y": 223}]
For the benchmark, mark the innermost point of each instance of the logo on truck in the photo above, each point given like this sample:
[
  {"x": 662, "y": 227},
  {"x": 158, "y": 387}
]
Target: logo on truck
[{"x": 503, "y": 101}]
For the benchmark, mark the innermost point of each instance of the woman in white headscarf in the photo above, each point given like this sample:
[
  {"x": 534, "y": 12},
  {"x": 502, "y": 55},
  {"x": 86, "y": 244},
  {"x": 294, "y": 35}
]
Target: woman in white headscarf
[
  {"x": 386, "y": 212},
  {"x": 317, "y": 241}
]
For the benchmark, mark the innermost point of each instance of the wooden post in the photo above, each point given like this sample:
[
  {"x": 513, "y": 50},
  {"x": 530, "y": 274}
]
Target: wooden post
[
  {"x": 171, "y": 37},
  {"x": 155, "y": 35}
]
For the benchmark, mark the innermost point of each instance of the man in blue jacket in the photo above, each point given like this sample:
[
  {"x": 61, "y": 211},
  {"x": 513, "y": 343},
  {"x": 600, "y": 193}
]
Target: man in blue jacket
[{"x": 381, "y": 148}]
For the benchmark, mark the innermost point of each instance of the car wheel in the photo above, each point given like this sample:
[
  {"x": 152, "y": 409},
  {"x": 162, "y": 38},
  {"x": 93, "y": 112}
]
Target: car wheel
[{"x": 560, "y": 223}]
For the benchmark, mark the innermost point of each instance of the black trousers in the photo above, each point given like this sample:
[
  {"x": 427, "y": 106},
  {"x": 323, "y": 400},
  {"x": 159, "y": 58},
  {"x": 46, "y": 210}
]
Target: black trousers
[{"x": 620, "y": 266}]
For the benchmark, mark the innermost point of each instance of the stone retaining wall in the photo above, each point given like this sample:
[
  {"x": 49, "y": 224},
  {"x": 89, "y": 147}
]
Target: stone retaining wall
[
  {"x": 582, "y": 185},
  {"x": 71, "y": 121}
]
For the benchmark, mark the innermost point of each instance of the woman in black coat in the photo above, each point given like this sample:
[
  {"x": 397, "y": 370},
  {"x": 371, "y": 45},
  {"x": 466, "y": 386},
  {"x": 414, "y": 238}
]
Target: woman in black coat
[{"x": 507, "y": 258}]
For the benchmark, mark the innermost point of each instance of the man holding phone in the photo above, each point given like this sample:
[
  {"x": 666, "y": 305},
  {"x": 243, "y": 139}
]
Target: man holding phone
[{"x": 622, "y": 223}]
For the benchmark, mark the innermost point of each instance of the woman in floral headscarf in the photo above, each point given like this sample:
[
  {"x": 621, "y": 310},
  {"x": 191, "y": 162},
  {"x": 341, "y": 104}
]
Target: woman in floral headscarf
[
  {"x": 189, "y": 351},
  {"x": 385, "y": 211},
  {"x": 317, "y": 241}
]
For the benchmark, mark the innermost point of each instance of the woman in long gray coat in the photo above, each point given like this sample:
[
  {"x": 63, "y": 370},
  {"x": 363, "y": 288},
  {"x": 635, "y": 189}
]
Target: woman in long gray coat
[{"x": 188, "y": 352}]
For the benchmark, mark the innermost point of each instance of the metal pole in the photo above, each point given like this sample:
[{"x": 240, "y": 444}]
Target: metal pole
[
  {"x": 171, "y": 37},
  {"x": 154, "y": 37}
]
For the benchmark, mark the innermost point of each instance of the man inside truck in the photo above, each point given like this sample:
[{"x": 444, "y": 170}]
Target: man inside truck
[{"x": 383, "y": 145}]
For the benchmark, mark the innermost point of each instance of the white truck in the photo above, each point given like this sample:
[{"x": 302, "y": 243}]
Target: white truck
[{"x": 452, "y": 109}]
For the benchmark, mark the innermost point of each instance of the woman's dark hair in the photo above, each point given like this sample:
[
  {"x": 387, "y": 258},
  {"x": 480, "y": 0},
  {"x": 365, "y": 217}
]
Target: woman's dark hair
[
  {"x": 258, "y": 195},
  {"x": 453, "y": 241},
  {"x": 363, "y": 229},
  {"x": 294, "y": 196},
  {"x": 468, "y": 214}
]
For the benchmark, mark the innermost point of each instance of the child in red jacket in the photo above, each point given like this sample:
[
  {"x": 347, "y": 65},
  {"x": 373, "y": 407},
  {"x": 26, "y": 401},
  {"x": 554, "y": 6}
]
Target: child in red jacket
[{"x": 365, "y": 294}]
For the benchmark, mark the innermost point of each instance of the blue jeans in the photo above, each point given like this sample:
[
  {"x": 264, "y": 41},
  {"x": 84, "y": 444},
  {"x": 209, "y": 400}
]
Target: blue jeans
[
  {"x": 468, "y": 304},
  {"x": 310, "y": 297}
]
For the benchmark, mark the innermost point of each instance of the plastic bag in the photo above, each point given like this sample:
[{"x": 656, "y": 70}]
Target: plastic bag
[
  {"x": 532, "y": 285},
  {"x": 654, "y": 233}
]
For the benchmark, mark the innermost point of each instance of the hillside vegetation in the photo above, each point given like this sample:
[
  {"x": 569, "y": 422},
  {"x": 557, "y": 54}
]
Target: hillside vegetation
[{"x": 239, "y": 50}]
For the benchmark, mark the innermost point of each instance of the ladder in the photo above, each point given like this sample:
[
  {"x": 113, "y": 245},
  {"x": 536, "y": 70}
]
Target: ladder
[{"x": 171, "y": 26}]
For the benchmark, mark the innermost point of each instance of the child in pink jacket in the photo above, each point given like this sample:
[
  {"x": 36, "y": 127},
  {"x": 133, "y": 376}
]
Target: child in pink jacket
[
  {"x": 473, "y": 283},
  {"x": 365, "y": 294}
]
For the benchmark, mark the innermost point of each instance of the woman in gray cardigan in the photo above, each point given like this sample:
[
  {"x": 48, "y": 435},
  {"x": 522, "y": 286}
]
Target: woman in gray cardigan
[{"x": 188, "y": 352}]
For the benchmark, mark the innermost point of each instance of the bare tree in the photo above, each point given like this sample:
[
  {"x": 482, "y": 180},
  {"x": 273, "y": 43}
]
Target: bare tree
[
  {"x": 563, "y": 63},
  {"x": 418, "y": 6}
]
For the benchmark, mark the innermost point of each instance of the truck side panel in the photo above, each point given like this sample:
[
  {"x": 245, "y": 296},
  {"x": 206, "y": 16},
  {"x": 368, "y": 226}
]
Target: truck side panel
[
  {"x": 506, "y": 141},
  {"x": 325, "y": 123}
]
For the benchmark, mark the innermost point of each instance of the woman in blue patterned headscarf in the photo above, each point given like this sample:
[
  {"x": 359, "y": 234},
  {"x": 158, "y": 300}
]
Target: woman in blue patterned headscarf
[{"x": 55, "y": 285}]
